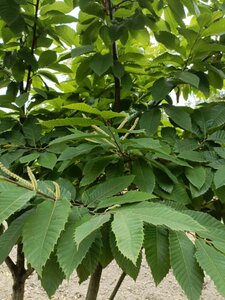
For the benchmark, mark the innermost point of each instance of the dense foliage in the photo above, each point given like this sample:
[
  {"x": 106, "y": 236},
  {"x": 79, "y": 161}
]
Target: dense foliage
[{"x": 97, "y": 163}]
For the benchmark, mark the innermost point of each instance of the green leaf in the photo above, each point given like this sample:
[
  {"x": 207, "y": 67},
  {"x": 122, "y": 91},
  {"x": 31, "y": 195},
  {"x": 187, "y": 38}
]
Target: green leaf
[
  {"x": 217, "y": 136},
  {"x": 159, "y": 214},
  {"x": 129, "y": 234},
  {"x": 128, "y": 197},
  {"x": 179, "y": 194},
  {"x": 150, "y": 121},
  {"x": 42, "y": 231},
  {"x": 83, "y": 122},
  {"x": 216, "y": 28},
  {"x": 46, "y": 58},
  {"x": 12, "y": 200},
  {"x": 29, "y": 157},
  {"x": 52, "y": 276},
  {"x": 161, "y": 88},
  {"x": 196, "y": 176},
  {"x": 179, "y": 116},
  {"x": 81, "y": 50},
  {"x": 219, "y": 177},
  {"x": 125, "y": 264},
  {"x": 73, "y": 152},
  {"x": 208, "y": 181},
  {"x": 10, "y": 237},
  {"x": 214, "y": 229},
  {"x": 69, "y": 255},
  {"x": 83, "y": 107},
  {"x": 184, "y": 265},
  {"x": 32, "y": 132},
  {"x": 101, "y": 63},
  {"x": 189, "y": 78},
  {"x": 213, "y": 263},
  {"x": 87, "y": 228},
  {"x": 144, "y": 176},
  {"x": 94, "y": 168},
  {"x": 192, "y": 156},
  {"x": 47, "y": 160},
  {"x": 168, "y": 39},
  {"x": 156, "y": 246},
  {"x": 106, "y": 189}
]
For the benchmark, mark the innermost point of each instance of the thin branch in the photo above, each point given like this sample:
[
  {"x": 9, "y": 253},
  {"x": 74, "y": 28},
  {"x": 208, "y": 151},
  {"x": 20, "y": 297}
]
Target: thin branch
[
  {"x": 34, "y": 39},
  {"x": 119, "y": 282},
  {"x": 11, "y": 265},
  {"x": 117, "y": 85}
]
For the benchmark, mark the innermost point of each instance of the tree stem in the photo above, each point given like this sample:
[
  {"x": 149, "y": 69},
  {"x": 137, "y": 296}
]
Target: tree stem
[
  {"x": 34, "y": 40},
  {"x": 94, "y": 284},
  {"x": 117, "y": 85},
  {"x": 119, "y": 282}
]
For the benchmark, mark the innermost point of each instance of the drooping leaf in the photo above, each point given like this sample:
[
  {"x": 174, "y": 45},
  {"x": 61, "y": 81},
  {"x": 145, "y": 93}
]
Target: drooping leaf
[
  {"x": 161, "y": 88},
  {"x": 42, "y": 231},
  {"x": 10, "y": 237},
  {"x": 129, "y": 234},
  {"x": 125, "y": 264},
  {"x": 144, "y": 176},
  {"x": 52, "y": 276},
  {"x": 213, "y": 263},
  {"x": 184, "y": 265},
  {"x": 68, "y": 254},
  {"x": 12, "y": 200},
  {"x": 156, "y": 246}
]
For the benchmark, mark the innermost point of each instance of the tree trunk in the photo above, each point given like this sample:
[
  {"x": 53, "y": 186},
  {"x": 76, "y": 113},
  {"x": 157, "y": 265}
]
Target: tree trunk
[
  {"x": 18, "y": 287},
  {"x": 94, "y": 283}
]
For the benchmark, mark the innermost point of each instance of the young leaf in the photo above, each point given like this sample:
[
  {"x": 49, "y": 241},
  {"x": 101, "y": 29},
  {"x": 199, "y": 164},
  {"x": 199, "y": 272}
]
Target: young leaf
[
  {"x": 129, "y": 235},
  {"x": 42, "y": 231},
  {"x": 213, "y": 263},
  {"x": 90, "y": 226},
  {"x": 13, "y": 200},
  {"x": 184, "y": 265},
  {"x": 156, "y": 246},
  {"x": 144, "y": 176}
]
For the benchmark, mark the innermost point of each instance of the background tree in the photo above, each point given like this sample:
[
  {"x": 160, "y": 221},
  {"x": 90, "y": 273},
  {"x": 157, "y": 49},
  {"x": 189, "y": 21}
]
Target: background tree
[{"x": 97, "y": 163}]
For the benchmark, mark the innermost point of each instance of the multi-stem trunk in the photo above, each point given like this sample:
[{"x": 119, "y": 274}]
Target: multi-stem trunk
[{"x": 19, "y": 273}]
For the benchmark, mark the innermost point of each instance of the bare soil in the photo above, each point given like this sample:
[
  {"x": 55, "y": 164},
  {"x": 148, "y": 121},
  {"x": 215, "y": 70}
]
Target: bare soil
[{"x": 142, "y": 289}]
